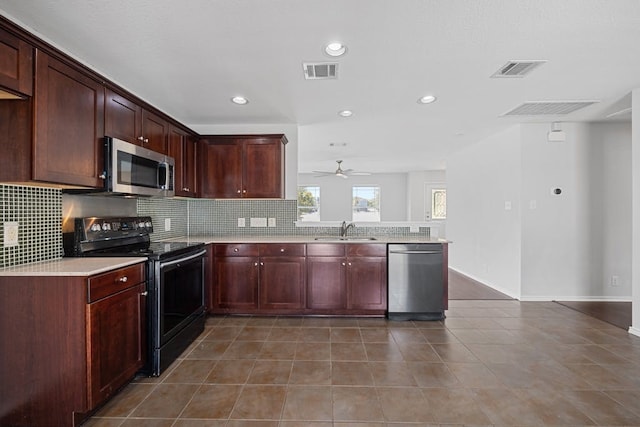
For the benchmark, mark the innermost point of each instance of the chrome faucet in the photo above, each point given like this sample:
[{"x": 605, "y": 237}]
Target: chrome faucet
[{"x": 344, "y": 228}]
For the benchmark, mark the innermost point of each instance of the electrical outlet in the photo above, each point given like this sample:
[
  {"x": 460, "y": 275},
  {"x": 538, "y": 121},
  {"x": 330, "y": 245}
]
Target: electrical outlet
[
  {"x": 271, "y": 222},
  {"x": 10, "y": 234},
  {"x": 167, "y": 224},
  {"x": 241, "y": 222},
  {"x": 507, "y": 205},
  {"x": 614, "y": 280},
  {"x": 258, "y": 222},
  {"x": 414, "y": 229}
]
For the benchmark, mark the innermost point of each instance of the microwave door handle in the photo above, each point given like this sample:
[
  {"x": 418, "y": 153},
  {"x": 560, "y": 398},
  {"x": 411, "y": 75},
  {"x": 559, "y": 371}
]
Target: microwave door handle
[{"x": 164, "y": 185}]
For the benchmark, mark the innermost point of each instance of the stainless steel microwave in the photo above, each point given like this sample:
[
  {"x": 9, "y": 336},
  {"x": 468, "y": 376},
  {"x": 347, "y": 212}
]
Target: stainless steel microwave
[{"x": 131, "y": 169}]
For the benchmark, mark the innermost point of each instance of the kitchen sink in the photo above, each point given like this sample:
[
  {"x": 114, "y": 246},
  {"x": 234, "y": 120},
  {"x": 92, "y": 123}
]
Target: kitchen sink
[{"x": 334, "y": 238}]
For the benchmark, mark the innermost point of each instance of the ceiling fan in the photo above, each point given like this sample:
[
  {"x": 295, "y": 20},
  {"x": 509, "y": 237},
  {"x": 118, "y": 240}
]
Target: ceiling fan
[{"x": 342, "y": 173}]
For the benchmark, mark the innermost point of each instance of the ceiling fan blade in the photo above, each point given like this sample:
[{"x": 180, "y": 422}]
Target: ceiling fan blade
[{"x": 361, "y": 173}]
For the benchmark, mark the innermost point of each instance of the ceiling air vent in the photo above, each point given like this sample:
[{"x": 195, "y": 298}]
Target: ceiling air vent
[
  {"x": 516, "y": 69},
  {"x": 544, "y": 108},
  {"x": 320, "y": 70}
]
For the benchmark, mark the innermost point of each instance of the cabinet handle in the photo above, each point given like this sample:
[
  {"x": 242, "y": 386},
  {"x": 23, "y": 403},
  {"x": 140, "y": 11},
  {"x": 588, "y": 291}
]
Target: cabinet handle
[
  {"x": 256, "y": 264},
  {"x": 144, "y": 294},
  {"x": 344, "y": 263},
  {"x": 244, "y": 191},
  {"x": 185, "y": 189},
  {"x": 146, "y": 140},
  {"x": 235, "y": 249},
  {"x": 103, "y": 175},
  {"x": 141, "y": 138},
  {"x": 262, "y": 263},
  {"x": 281, "y": 249},
  {"x": 238, "y": 191},
  {"x": 349, "y": 263},
  {"x": 123, "y": 279}
]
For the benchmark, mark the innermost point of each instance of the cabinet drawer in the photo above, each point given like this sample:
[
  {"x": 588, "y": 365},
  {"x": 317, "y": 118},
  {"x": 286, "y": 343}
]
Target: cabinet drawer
[
  {"x": 239, "y": 249},
  {"x": 367, "y": 249},
  {"x": 285, "y": 249},
  {"x": 105, "y": 284},
  {"x": 326, "y": 249}
]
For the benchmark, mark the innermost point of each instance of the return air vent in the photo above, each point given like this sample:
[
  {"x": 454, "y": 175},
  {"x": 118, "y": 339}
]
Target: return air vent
[
  {"x": 544, "y": 108},
  {"x": 320, "y": 70},
  {"x": 516, "y": 69}
]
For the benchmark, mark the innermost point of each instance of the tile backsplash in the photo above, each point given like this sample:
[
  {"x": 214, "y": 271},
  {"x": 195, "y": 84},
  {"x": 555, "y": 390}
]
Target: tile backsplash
[{"x": 38, "y": 212}]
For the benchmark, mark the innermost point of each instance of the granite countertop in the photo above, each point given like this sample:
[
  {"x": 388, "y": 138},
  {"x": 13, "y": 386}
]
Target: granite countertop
[
  {"x": 304, "y": 239},
  {"x": 71, "y": 266}
]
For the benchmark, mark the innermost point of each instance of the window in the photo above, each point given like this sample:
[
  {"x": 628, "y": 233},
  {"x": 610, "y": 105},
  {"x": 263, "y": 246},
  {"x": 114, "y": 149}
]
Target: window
[
  {"x": 366, "y": 204},
  {"x": 308, "y": 203},
  {"x": 438, "y": 203}
]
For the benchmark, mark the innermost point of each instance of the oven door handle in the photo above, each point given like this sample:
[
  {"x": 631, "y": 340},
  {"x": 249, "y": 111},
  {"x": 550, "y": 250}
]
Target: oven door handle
[{"x": 178, "y": 261}]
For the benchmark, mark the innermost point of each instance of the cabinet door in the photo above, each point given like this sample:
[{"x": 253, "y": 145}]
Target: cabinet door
[
  {"x": 68, "y": 123},
  {"x": 182, "y": 149},
  {"x": 154, "y": 131},
  {"x": 16, "y": 65},
  {"x": 326, "y": 283},
  {"x": 236, "y": 283},
  {"x": 220, "y": 169},
  {"x": 367, "y": 283},
  {"x": 116, "y": 335},
  {"x": 263, "y": 168},
  {"x": 123, "y": 118},
  {"x": 282, "y": 282}
]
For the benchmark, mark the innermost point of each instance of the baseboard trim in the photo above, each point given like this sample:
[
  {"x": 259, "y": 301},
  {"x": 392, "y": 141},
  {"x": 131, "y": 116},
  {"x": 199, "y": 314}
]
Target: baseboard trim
[
  {"x": 575, "y": 298},
  {"x": 634, "y": 331}
]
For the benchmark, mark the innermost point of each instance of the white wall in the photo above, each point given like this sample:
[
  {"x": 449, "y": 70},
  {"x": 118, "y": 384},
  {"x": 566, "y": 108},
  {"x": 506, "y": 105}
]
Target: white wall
[
  {"x": 486, "y": 236},
  {"x": 568, "y": 245},
  {"x": 635, "y": 251},
  {"x": 610, "y": 187},
  {"x": 291, "y": 149},
  {"x": 336, "y": 194},
  {"x": 556, "y": 233}
]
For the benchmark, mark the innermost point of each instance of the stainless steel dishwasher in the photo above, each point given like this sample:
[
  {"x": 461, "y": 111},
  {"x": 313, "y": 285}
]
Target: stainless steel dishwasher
[{"x": 415, "y": 278}]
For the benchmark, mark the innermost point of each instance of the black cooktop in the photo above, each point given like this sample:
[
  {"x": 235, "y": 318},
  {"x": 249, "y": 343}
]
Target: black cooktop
[{"x": 153, "y": 250}]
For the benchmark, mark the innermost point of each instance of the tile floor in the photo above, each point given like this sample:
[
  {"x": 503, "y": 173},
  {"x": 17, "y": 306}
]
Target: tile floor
[{"x": 490, "y": 363}]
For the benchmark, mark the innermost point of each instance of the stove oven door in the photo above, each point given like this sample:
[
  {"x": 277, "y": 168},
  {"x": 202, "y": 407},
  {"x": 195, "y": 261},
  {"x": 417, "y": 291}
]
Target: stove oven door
[{"x": 178, "y": 291}]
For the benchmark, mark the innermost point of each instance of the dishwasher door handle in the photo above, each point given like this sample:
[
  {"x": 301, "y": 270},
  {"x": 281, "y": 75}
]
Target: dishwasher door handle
[{"x": 415, "y": 252}]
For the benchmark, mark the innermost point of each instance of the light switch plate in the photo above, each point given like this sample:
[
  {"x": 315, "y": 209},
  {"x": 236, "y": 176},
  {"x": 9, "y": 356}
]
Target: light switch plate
[
  {"x": 10, "y": 234},
  {"x": 241, "y": 222},
  {"x": 271, "y": 222},
  {"x": 167, "y": 224}
]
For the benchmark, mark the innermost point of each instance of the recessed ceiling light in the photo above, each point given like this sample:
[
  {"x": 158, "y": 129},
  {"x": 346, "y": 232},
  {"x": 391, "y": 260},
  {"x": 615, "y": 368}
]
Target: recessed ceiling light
[
  {"x": 240, "y": 100},
  {"x": 335, "y": 49},
  {"x": 337, "y": 144},
  {"x": 345, "y": 113},
  {"x": 427, "y": 99}
]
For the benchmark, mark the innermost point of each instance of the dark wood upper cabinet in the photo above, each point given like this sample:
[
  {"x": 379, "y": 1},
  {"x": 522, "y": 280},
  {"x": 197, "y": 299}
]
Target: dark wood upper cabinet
[
  {"x": 16, "y": 66},
  {"x": 154, "y": 132},
  {"x": 126, "y": 120},
  {"x": 182, "y": 147},
  {"x": 68, "y": 124},
  {"x": 242, "y": 166},
  {"x": 123, "y": 118}
]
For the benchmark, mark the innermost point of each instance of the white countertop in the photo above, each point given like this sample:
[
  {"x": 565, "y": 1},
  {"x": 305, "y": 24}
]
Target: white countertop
[
  {"x": 71, "y": 266},
  {"x": 301, "y": 239}
]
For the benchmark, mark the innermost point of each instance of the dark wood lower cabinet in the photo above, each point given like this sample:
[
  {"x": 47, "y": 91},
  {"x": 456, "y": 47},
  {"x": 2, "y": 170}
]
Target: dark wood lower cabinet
[
  {"x": 68, "y": 343},
  {"x": 323, "y": 278}
]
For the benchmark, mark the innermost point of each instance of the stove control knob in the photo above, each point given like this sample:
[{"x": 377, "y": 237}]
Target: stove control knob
[
  {"x": 148, "y": 224},
  {"x": 106, "y": 226},
  {"x": 95, "y": 227},
  {"x": 141, "y": 225}
]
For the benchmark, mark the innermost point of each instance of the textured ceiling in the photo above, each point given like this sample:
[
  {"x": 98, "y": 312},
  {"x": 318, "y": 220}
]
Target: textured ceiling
[{"x": 190, "y": 57}]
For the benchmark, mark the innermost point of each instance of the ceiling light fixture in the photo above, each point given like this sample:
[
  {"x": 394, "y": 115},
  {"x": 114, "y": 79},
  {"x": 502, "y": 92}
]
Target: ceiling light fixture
[
  {"x": 345, "y": 113},
  {"x": 240, "y": 100},
  {"x": 335, "y": 49},
  {"x": 427, "y": 99}
]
